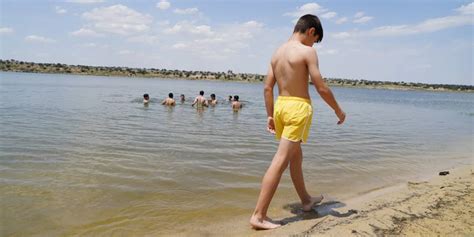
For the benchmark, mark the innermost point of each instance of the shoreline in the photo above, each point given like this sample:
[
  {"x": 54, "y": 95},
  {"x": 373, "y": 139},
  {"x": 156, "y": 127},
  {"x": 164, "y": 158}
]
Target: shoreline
[
  {"x": 439, "y": 205},
  {"x": 371, "y": 87}
]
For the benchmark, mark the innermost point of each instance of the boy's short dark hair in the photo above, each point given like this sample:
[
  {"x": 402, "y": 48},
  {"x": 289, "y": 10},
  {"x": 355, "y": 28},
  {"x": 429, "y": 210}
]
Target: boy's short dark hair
[
  {"x": 307, "y": 22},
  {"x": 236, "y": 97},
  {"x": 201, "y": 92},
  {"x": 145, "y": 95},
  {"x": 182, "y": 95},
  {"x": 170, "y": 95},
  {"x": 213, "y": 95}
]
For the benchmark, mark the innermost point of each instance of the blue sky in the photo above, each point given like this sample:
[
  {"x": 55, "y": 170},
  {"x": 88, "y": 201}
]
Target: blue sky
[{"x": 428, "y": 41}]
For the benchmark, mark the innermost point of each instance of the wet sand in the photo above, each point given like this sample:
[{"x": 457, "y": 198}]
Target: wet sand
[{"x": 441, "y": 206}]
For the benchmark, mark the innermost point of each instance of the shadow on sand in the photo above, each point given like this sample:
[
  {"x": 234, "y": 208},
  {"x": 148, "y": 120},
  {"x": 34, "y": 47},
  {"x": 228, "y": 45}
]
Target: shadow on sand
[{"x": 318, "y": 211}]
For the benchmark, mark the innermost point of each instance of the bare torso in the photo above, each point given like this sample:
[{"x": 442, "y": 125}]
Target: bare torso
[
  {"x": 289, "y": 66},
  {"x": 169, "y": 102}
]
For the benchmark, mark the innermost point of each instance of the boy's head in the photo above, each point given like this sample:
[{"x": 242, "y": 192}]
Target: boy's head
[
  {"x": 201, "y": 92},
  {"x": 236, "y": 98},
  {"x": 213, "y": 96},
  {"x": 145, "y": 96},
  {"x": 311, "y": 26},
  {"x": 182, "y": 96},
  {"x": 170, "y": 95}
]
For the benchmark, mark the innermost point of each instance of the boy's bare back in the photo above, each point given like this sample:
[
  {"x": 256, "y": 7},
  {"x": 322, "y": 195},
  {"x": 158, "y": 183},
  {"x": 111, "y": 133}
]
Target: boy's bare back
[{"x": 290, "y": 68}]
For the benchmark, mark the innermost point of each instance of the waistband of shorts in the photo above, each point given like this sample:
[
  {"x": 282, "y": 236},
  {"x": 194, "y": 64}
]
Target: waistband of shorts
[{"x": 293, "y": 98}]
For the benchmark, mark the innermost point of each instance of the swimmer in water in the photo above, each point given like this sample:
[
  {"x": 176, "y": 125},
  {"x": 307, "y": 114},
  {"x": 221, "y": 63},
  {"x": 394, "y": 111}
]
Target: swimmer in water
[
  {"x": 213, "y": 100},
  {"x": 169, "y": 101},
  {"x": 146, "y": 98},
  {"x": 236, "y": 105},
  {"x": 200, "y": 101}
]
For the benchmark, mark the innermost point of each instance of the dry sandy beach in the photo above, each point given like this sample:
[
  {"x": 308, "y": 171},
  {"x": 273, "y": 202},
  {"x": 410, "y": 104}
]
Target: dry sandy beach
[{"x": 440, "y": 206}]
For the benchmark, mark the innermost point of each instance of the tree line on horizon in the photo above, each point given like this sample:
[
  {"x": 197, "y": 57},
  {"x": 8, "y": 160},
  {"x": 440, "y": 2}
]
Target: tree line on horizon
[{"x": 12, "y": 65}]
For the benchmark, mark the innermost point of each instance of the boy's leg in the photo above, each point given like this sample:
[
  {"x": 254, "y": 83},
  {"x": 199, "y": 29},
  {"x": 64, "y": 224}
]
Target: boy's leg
[
  {"x": 286, "y": 150},
  {"x": 296, "y": 171}
]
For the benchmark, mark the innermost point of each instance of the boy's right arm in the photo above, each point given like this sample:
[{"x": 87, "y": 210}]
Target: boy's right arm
[{"x": 321, "y": 87}]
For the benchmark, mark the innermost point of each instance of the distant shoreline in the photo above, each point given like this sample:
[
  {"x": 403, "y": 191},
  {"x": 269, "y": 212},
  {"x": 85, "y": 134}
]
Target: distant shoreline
[{"x": 229, "y": 76}]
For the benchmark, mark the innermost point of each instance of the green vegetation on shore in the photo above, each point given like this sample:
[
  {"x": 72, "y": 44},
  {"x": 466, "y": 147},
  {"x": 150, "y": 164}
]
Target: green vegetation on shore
[{"x": 20, "y": 66}]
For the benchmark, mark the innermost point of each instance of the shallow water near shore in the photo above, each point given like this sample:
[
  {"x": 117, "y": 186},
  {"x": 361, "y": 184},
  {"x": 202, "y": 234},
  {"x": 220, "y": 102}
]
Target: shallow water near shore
[{"x": 82, "y": 154}]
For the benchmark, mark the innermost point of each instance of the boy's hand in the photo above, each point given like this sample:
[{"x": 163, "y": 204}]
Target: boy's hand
[
  {"x": 341, "y": 115},
  {"x": 271, "y": 125}
]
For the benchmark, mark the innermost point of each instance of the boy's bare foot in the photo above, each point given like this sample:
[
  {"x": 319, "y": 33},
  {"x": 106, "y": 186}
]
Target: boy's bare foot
[
  {"x": 265, "y": 224},
  {"x": 314, "y": 200}
]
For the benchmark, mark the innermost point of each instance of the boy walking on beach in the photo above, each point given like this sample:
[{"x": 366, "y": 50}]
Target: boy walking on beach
[{"x": 290, "y": 117}]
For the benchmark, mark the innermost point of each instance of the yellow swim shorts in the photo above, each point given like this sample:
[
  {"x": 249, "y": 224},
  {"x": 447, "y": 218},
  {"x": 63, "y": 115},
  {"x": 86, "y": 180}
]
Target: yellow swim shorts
[{"x": 292, "y": 116}]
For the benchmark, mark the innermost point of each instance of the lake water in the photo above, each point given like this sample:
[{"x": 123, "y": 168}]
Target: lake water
[{"x": 81, "y": 155}]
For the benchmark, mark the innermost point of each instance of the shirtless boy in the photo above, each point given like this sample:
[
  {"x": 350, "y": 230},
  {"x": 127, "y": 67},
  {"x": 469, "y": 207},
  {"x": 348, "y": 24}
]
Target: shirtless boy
[
  {"x": 236, "y": 105},
  {"x": 169, "y": 101},
  {"x": 146, "y": 98},
  {"x": 213, "y": 100},
  {"x": 290, "y": 117},
  {"x": 200, "y": 101}
]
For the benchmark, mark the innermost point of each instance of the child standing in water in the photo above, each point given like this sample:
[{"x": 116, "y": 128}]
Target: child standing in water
[
  {"x": 213, "y": 100},
  {"x": 169, "y": 101},
  {"x": 146, "y": 98},
  {"x": 200, "y": 101},
  {"x": 236, "y": 105},
  {"x": 290, "y": 117}
]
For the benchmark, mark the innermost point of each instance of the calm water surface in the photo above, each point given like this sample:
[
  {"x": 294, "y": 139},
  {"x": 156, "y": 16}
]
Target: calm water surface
[{"x": 81, "y": 155}]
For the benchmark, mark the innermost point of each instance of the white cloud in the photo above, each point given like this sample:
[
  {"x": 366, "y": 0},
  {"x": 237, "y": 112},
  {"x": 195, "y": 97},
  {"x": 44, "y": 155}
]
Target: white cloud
[
  {"x": 118, "y": 19},
  {"x": 39, "y": 39},
  {"x": 253, "y": 24},
  {"x": 359, "y": 14},
  {"x": 467, "y": 9},
  {"x": 426, "y": 26},
  {"x": 341, "y": 20},
  {"x": 363, "y": 19},
  {"x": 328, "y": 52},
  {"x": 202, "y": 40},
  {"x": 360, "y": 17},
  {"x": 328, "y": 15},
  {"x": 60, "y": 10},
  {"x": 423, "y": 66},
  {"x": 311, "y": 8},
  {"x": 85, "y": 32},
  {"x": 89, "y": 45},
  {"x": 173, "y": 30},
  {"x": 6, "y": 30},
  {"x": 125, "y": 52},
  {"x": 202, "y": 29},
  {"x": 163, "y": 23},
  {"x": 146, "y": 39},
  {"x": 85, "y": 1},
  {"x": 430, "y": 25},
  {"x": 163, "y": 4},
  {"x": 308, "y": 8},
  {"x": 180, "y": 46},
  {"x": 189, "y": 27},
  {"x": 186, "y": 11},
  {"x": 341, "y": 35}
]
